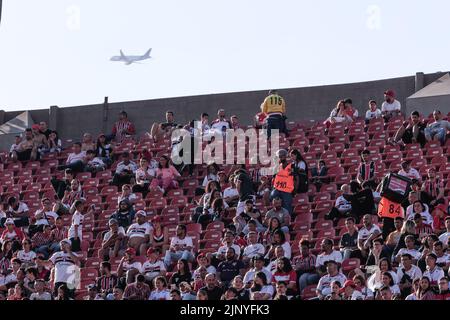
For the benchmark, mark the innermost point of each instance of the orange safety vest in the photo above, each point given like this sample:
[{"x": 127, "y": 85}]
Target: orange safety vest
[
  {"x": 390, "y": 209},
  {"x": 284, "y": 180}
]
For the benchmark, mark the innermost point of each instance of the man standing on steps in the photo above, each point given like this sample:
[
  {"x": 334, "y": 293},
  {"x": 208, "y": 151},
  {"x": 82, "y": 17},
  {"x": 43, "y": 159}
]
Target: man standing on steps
[{"x": 275, "y": 109}]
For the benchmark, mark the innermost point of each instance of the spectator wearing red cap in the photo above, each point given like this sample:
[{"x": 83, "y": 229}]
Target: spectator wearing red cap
[
  {"x": 350, "y": 292},
  {"x": 12, "y": 233},
  {"x": 128, "y": 267},
  {"x": 154, "y": 266},
  {"x": 390, "y": 107}
]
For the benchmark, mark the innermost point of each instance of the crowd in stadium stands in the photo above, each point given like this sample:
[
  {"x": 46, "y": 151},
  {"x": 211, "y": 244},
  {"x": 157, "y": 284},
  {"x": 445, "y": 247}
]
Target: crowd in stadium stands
[{"x": 113, "y": 219}]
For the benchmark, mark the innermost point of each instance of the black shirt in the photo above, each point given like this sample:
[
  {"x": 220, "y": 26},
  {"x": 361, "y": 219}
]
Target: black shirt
[
  {"x": 229, "y": 269},
  {"x": 213, "y": 294},
  {"x": 166, "y": 125},
  {"x": 349, "y": 241},
  {"x": 179, "y": 278},
  {"x": 246, "y": 189},
  {"x": 243, "y": 295},
  {"x": 46, "y": 132}
]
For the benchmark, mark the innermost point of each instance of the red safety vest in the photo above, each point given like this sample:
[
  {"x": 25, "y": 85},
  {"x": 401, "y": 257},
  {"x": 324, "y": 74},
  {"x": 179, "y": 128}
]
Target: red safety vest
[{"x": 284, "y": 180}]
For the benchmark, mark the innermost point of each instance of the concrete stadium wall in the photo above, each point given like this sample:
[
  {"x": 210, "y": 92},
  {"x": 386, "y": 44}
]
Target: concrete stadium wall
[{"x": 309, "y": 103}]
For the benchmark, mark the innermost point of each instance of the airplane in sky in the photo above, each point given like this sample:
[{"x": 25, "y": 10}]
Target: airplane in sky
[{"x": 131, "y": 59}]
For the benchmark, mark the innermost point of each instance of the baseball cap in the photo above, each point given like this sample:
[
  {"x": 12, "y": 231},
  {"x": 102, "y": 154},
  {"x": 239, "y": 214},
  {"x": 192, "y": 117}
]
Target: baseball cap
[
  {"x": 35, "y": 127},
  {"x": 390, "y": 93},
  {"x": 348, "y": 283},
  {"x": 142, "y": 213},
  {"x": 220, "y": 172},
  {"x": 130, "y": 251},
  {"x": 9, "y": 221},
  {"x": 150, "y": 251},
  {"x": 66, "y": 241}
]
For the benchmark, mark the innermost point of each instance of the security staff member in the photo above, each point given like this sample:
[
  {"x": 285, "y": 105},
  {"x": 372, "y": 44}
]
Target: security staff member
[
  {"x": 275, "y": 109},
  {"x": 285, "y": 181}
]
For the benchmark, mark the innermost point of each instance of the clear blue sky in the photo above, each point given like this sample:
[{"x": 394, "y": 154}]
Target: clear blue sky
[{"x": 209, "y": 46}]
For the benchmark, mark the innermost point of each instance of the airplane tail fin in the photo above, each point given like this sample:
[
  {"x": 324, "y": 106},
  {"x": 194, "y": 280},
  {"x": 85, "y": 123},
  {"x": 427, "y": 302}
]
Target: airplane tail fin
[
  {"x": 121, "y": 54},
  {"x": 147, "y": 54}
]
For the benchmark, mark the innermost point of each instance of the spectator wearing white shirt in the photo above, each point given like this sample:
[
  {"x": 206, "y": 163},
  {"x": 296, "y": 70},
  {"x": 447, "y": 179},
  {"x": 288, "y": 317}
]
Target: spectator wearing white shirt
[
  {"x": 253, "y": 248},
  {"x": 407, "y": 273},
  {"x": 374, "y": 112},
  {"x": 112, "y": 241},
  {"x": 125, "y": 171},
  {"x": 180, "y": 247},
  {"x": 228, "y": 242},
  {"x": 221, "y": 124},
  {"x": 433, "y": 272},
  {"x": 15, "y": 145},
  {"x": 446, "y": 235},
  {"x": 258, "y": 266},
  {"x": 19, "y": 211},
  {"x": 154, "y": 266},
  {"x": 327, "y": 254},
  {"x": 93, "y": 164},
  {"x": 390, "y": 107},
  {"x": 76, "y": 160},
  {"x": 45, "y": 216},
  {"x": 366, "y": 234},
  {"x": 76, "y": 228},
  {"x": 39, "y": 293},
  {"x": 231, "y": 194},
  {"x": 422, "y": 209},
  {"x": 409, "y": 172},
  {"x": 144, "y": 176},
  {"x": 161, "y": 292},
  {"x": 128, "y": 267},
  {"x": 139, "y": 233},
  {"x": 410, "y": 249},
  {"x": 323, "y": 288}
]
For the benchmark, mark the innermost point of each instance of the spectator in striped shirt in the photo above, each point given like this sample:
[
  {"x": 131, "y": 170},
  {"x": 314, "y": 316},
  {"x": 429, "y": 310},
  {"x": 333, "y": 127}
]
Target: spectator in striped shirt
[
  {"x": 58, "y": 233},
  {"x": 305, "y": 265},
  {"x": 107, "y": 281},
  {"x": 422, "y": 230},
  {"x": 137, "y": 290},
  {"x": 366, "y": 170},
  {"x": 123, "y": 128},
  {"x": 433, "y": 189}
]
